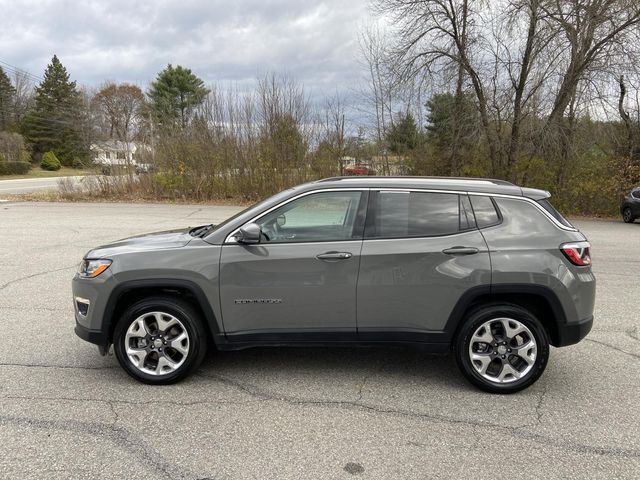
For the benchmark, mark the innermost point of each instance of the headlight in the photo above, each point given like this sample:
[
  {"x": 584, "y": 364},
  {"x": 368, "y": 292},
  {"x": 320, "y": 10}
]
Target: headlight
[{"x": 93, "y": 268}]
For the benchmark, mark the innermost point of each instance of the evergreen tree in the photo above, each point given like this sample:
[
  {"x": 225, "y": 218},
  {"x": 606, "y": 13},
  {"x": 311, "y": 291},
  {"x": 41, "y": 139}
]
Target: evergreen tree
[
  {"x": 175, "y": 94},
  {"x": 7, "y": 98},
  {"x": 403, "y": 136},
  {"x": 54, "y": 123}
]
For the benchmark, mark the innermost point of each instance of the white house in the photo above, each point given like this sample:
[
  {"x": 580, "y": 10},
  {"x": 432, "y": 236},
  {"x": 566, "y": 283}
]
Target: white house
[{"x": 116, "y": 152}]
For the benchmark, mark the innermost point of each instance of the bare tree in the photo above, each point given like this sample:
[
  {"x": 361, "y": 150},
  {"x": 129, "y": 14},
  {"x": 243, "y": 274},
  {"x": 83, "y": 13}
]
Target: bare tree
[
  {"x": 121, "y": 106},
  {"x": 334, "y": 127},
  {"x": 522, "y": 59}
]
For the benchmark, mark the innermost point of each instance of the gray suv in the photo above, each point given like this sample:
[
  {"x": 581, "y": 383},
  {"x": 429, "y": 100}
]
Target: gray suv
[{"x": 482, "y": 268}]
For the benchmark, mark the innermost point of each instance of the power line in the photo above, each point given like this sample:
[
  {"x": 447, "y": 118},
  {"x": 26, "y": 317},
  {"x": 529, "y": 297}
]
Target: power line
[{"x": 14, "y": 69}]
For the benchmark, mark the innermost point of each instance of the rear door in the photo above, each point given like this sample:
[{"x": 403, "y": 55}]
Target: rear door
[{"x": 422, "y": 251}]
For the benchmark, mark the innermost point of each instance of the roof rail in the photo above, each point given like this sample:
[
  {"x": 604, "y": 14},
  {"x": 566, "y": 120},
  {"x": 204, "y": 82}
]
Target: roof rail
[{"x": 452, "y": 179}]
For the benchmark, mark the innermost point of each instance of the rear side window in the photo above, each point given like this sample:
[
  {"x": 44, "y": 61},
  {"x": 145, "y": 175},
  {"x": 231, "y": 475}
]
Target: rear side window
[
  {"x": 415, "y": 214},
  {"x": 544, "y": 203},
  {"x": 485, "y": 211},
  {"x": 635, "y": 194}
]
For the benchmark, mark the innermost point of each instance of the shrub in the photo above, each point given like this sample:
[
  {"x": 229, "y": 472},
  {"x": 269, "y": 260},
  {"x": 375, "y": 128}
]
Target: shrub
[
  {"x": 25, "y": 156},
  {"x": 50, "y": 162},
  {"x": 77, "y": 163},
  {"x": 11, "y": 146},
  {"x": 14, "y": 168}
]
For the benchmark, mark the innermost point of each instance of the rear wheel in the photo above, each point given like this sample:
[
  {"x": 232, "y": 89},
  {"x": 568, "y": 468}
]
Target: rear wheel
[
  {"x": 627, "y": 215},
  {"x": 160, "y": 340},
  {"x": 502, "y": 348}
]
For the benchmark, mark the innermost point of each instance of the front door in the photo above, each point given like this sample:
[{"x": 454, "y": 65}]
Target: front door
[{"x": 300, "y": 280}]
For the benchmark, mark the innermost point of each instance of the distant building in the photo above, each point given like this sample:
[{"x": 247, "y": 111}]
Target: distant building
[
  {"x": 376, "y": 165},
  {"x": 389, "y": 165},
  {"x": 116, "y": 152}
]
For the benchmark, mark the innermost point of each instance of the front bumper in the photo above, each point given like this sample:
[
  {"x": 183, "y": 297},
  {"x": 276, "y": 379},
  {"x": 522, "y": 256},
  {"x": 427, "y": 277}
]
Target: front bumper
[
  {"x": 572, "y": 333},
  {"x": 89, "y": 304},
  {"x": 96, "y": 337}
]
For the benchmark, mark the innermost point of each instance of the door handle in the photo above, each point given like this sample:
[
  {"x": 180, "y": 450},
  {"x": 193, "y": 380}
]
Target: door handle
[
  {"x": 334, "y": 256},
  {"x": 457, "y": 250}
]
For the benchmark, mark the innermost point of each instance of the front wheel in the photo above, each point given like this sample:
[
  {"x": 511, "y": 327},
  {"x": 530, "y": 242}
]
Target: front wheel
[
  {"x": 502, "y": 348},
  {"x": 160, "y": 340},
  {"x": 627, "y": 215}
]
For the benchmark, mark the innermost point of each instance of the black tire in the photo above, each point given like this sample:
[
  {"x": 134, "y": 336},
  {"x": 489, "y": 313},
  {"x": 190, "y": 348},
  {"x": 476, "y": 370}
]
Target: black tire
[
  {"x": 627, "y": 216},
  {"x": 484, "y": 314},
  {"x": 190, "y": 319}
]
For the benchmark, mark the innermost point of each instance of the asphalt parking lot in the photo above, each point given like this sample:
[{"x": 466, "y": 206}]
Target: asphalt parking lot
[{"x": 66, "y": 412}]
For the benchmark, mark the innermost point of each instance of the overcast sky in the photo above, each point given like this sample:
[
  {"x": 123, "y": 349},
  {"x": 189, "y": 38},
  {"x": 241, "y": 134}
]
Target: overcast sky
[{"x": 233, "y": 40}]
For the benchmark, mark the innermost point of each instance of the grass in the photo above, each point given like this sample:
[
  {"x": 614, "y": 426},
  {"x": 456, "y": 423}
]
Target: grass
[{"x": 37, "y": 172}]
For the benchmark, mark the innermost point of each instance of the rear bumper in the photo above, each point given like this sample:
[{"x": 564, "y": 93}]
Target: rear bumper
[{"x": 572, "y": 333}]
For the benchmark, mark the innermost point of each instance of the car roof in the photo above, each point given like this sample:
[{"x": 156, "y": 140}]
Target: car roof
[{"x": 464, "y": 184}]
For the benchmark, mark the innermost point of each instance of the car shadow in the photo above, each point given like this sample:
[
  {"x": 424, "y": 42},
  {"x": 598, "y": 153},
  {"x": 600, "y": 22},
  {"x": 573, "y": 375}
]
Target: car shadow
[{"x": 307, "y": 366}]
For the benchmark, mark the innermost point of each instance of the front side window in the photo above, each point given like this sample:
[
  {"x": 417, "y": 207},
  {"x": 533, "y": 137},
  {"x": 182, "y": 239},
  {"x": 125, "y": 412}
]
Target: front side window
[
  {"x": 319, "y": 217},
  {"x": 415, "y": 214}
]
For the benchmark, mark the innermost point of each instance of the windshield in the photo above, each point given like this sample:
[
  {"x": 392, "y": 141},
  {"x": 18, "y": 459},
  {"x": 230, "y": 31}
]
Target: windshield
[
  {"x": 544, "y": 203},
  {"x": 274, "y": 198}
]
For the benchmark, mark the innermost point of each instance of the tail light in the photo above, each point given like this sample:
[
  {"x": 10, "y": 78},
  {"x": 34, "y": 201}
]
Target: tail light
[{"x": 577, "y": 253}]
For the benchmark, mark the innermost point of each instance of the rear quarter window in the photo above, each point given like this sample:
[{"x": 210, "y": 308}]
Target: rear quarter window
[{"x": 544, "y": 203}]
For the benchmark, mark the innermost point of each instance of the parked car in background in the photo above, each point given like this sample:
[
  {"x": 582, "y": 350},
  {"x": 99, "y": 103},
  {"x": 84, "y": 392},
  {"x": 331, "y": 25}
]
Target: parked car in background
[
  {"x": 630, "y": 206},
  {"x": 358, "y": 170},
  {"x": 482, "y": 268}
]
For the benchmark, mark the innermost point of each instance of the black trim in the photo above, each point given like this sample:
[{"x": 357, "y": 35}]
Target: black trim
[
  {"x": 290, "y": 337},
  {"x": 192, "y": 287},
  {"x": 464, "y": 302},
  {"x": 240, "y": 341},
  {"x": 572, "y": 333},
  {"x": 559, "y": 314},
  {"x": 496, "y": 208},
  {"x": 97, "y": 337},
  {"x": 470, "y": 296}
]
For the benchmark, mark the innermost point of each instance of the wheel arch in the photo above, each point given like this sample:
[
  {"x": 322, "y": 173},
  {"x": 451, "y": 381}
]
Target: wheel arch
[
  {"x": 127, "y": 293},
  {"x": 538, "y": 299}
]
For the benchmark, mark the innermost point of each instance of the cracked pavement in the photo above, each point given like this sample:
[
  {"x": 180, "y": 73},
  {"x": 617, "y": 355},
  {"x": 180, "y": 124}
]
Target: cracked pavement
[{"x": 66, "y": 412}]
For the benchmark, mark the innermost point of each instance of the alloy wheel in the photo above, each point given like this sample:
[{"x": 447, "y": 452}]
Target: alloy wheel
[
  {"x": 157, "y": 343},
  {"x": 503, "y": 350}
]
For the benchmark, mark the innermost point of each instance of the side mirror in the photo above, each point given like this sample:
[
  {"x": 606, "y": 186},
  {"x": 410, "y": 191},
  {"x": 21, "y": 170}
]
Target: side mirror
[{"x": 249, "y": 234}]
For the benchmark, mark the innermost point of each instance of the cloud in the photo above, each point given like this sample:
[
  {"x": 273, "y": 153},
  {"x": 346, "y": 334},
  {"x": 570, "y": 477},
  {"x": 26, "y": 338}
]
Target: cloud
[{"x": 316, "y": 42}]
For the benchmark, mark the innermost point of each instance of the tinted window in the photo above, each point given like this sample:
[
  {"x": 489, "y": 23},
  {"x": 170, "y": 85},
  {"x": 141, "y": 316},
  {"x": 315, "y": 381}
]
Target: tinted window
[
  {"x": 554, "y": 213},
  {"x": 485, "y": 211},
  {"x": 415, "y": 214},
  {"x": 636, "y": 194},
  {"x": 319, "y": 217}
]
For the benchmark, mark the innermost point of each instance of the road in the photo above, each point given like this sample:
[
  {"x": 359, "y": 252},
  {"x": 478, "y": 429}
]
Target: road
[
  {"x": 66, "y": 412},
  {"x": 30, "y": 185}
]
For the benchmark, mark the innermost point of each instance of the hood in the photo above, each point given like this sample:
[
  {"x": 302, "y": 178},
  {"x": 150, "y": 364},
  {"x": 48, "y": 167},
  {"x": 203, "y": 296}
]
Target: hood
[{"x": 142, "y": 243}]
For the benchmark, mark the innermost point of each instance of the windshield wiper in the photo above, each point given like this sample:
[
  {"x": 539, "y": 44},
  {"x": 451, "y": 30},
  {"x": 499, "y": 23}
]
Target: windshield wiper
[{"x": 201, "y": 231}]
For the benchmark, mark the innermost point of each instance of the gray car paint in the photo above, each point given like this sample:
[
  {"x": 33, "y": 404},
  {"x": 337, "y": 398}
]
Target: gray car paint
[
  {"x": 525, "y": 249},
  {"x": 316, "y": 295},
  {"x": 411, "y": 285},
  {"x": 404, "y": 284}
]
